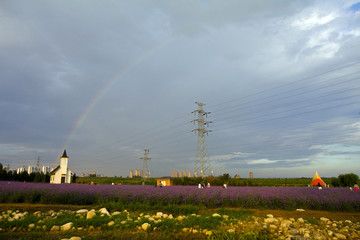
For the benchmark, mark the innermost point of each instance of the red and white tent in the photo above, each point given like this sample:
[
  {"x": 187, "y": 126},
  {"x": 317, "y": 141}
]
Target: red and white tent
[{"x": 317, "y": 180}]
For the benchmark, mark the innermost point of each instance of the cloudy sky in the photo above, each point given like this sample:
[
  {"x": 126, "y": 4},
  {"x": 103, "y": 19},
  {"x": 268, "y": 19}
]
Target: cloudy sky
[{"x": 108, "y": 79}]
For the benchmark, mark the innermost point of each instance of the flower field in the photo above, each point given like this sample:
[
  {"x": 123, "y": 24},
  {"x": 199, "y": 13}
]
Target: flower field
[{"x": 336, "y": 199}]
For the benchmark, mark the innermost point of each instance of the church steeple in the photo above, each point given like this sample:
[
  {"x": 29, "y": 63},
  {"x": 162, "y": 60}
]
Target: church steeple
[{"x": 64, "y": 154}]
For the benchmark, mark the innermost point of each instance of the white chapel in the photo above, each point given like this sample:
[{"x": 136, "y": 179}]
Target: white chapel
[{"x": 61, "y": 174}]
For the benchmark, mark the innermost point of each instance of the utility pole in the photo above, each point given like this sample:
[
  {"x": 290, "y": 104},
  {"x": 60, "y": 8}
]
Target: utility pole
[
  {"x": 146, "y": 172},
  {"x": 202, "y": 159}
]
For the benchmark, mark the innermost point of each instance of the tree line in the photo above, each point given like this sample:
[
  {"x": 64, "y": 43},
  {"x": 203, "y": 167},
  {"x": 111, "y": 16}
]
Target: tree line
[
  {"x": 23, "y": 176},
  {"x": 345, "y": 180}
]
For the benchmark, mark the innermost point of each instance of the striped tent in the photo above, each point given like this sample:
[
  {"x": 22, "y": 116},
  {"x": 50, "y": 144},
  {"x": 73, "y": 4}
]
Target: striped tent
[{"x": 317, "y": 180}]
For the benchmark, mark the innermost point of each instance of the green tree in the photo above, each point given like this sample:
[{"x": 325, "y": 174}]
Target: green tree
[
  {"x": 348, "y": 180},
  {"x": 335, "y": 182},
  {"x": 37, "y": 177}
]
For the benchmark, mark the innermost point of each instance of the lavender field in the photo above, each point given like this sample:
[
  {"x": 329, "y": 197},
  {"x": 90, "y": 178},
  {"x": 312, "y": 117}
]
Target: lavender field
[{"x": 337, "y": 199}]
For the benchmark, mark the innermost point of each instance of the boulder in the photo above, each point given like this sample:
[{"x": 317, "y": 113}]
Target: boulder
[
  {"x": 145, "y": 226},
  {"x": 115, "y": 213},
  {"x": 55, "y": 228},
  {"x": 90, "y": 215},
  {"x": 81, "y": 211},
  {"x": 104, "y": 211},
  {"x": 270, "y": 220},
  {"x": 285, "y": 223},
  {"x": 324, "y": 219},
  {"x": 66, "y": 226},
  {"x": 75, "y": 238}
]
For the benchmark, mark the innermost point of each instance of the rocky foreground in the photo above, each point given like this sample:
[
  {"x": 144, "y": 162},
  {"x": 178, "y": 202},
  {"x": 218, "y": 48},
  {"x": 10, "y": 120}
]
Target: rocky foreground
[{"x": 82, "y": 221}]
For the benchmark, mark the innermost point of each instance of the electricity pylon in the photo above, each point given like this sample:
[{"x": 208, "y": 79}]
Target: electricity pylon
[
  {"x": 146, "y": 172},
  {"x": 202, "y": 159},
  {"x": 38, "y": 165}
]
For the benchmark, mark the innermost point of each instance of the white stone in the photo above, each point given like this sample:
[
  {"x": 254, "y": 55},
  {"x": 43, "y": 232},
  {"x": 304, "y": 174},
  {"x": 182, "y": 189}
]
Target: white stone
[
  {"x": 145, "y": 226},
  {"x": 216, "y": 215},
  {"x": 300, "y": 220},
  {"x": 300, "y": 210},
  {"x": 285, "y": 223},
  {"x": 82, "y": 211},
  {"x": 116, "y": 213},
  {"x": 55, "y": 228},
  {"x": 104, "y": 211},
  {"x": 324, "y": 219},
  {"x": 75, "y": 238},
  {"x": 270, "y": 220},
  {"x": 273, "y": 226},
  {"x": 66, "y": 226},
  {"x": 90, "y": 215}
]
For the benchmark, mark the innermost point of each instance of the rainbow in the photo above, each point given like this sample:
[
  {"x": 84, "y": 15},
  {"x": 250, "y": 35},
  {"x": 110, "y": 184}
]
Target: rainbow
[{"x": 82, "y": 117}]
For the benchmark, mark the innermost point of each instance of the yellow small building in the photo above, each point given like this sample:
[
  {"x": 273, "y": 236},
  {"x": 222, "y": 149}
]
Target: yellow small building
[{"x": 164, "y": 181}]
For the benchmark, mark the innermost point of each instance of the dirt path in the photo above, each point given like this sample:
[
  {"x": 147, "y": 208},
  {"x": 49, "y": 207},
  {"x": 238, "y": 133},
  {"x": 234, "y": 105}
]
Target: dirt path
[{"x": 308, "y": 214}]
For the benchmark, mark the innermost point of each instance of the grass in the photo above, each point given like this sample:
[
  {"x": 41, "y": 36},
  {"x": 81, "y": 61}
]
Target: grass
[
  {"x": 312, "y": 221},
  {"x": 169, "y": 208},
  {"x": 127, "y": 225},
  {"x": 236, "y": 213}
]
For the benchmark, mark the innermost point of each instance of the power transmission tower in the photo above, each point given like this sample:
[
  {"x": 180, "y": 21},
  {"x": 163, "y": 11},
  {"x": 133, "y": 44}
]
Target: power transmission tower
[
  {"x": 146, "y": 173},
  {"x": 38, "y": 165},
  {"x": 202, "y": 159}
]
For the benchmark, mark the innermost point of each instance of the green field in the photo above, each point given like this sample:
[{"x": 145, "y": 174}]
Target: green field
[{"x": 215, "y": 181}]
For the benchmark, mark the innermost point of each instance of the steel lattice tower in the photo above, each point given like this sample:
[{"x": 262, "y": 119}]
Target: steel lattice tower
[
  {"x": 202, "y": 159},
  {"x": 146, "y": 173}
]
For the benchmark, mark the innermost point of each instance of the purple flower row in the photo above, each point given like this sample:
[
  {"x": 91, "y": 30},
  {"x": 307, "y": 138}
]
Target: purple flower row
[{"x": 340, "y": 199}]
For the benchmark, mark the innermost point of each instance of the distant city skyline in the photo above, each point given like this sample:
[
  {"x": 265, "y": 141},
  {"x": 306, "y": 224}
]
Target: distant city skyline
[{"x": 106, "y": 80}]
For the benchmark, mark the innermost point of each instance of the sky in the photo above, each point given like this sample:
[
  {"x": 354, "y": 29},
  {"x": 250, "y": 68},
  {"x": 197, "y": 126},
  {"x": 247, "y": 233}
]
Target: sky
[{"x": 107, "y": 79}]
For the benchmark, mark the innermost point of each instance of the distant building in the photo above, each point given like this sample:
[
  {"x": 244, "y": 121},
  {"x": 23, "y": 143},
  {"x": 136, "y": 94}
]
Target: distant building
[
  {"x": 61, "y": 174},
  {"x": 92, "y": 174},
  {"x": 131, "y": 174},
  {"x": 20, "y": 170},
  {"x": 189, "y": 173},
  {"x": 32, "y": 169},
  {"x": 45, "y": 169},
  {"x": 82, "y": 174},
  {"x": 251, "y": 176},
  {"x": 195, "y": 174},
  {"x": 237, "y": 176}
]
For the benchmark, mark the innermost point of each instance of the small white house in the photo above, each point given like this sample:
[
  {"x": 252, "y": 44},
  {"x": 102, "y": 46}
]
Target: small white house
[{"x": 61, "y": 174}]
